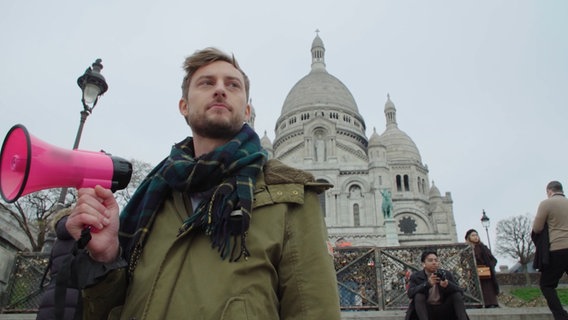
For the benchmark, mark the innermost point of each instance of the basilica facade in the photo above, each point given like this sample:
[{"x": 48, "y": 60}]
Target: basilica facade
[{"x": 382, "y": 195}]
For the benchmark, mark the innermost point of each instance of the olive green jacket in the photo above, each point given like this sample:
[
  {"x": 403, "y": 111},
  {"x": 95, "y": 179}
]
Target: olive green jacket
[{"x": 289, "y": 274}]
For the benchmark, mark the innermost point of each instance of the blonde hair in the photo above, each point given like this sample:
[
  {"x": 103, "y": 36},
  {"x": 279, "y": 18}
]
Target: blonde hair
[{"x": 204, "y": 57}]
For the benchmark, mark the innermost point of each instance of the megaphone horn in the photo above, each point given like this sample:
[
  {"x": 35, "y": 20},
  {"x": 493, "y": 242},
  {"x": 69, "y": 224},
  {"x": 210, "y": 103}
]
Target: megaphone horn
[{"x": 28, "y": 164}]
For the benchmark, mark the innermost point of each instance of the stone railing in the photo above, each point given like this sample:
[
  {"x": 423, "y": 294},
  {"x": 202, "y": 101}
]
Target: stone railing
[
  {"x": 368, "y": 278},
  {"x": 373, "y": 278}
]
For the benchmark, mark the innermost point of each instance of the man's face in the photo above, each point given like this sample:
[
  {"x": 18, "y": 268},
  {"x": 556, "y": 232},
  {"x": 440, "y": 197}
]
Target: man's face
[
  {"x": 216, "y": 105},
  {"x": 431, "y": 263}
]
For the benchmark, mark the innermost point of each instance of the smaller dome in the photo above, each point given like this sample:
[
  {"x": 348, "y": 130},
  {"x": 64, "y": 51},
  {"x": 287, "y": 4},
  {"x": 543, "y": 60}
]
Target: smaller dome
[
  {"x": 375, "y": 139},
  {"x": 400, "y": 146},
  {"x": 434, "y": 192},
  {"x": 265, "y": 142}
]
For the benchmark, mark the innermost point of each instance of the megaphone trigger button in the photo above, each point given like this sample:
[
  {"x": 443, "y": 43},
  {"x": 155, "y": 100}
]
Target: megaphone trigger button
[{"x": 93, "y": 229}]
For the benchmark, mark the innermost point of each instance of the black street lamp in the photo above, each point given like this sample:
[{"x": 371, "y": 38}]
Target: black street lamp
[
  {"x": 485, "y": 223},
  {"x": 93, "y": 85}
]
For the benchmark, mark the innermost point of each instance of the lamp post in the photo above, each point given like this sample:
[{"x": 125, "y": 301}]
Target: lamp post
[
  {"x": 93, "y": 85},
  {"x": 485, "y": 223}
]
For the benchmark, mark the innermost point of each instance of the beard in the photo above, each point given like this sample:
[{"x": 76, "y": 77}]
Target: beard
[{"x": 215, "y": 128}]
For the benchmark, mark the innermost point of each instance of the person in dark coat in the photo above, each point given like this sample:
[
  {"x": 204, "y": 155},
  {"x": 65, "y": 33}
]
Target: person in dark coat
[
  {"x": 62, "y": 249},
  {"x": 434, "y": 293},
  {"x": 483, "y": 256}
]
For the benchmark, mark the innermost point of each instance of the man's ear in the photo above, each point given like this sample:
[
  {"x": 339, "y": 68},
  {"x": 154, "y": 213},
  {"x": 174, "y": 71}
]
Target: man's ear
[
  {"x": 247, "y": 112},
  {"x": 183, "y": 107}
]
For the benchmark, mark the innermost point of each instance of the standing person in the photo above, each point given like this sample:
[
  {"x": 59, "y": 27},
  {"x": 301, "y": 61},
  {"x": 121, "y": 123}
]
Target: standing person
[
  {"x": 433, "y": 292},
  {"x": 554, "y": 213},
  {"x": 62, "y": 248},
  {"x": 215, "y": 231},
  {"x": 483, "y": 256}
]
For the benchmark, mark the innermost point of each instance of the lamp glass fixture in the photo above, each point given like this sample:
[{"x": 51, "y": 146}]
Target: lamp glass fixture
[
  {"x": 90, "y": 94},
  {"x": 485, "y": 221}
]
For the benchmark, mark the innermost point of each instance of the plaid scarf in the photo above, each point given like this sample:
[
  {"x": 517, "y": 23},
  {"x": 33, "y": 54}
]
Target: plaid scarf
[{"x": 223, "y": 178}]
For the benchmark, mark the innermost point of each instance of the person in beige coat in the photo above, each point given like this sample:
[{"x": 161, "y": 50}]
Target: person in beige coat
[
  {"x": 553, "y": 212},
  {"x": 215, "y": 231}
]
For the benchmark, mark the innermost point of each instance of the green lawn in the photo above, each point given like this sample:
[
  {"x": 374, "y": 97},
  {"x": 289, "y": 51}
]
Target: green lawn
[{"x": 528, "y": 294}]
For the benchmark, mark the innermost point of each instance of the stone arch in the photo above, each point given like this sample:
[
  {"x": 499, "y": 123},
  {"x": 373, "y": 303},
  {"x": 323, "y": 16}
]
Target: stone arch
[{"x": 365, "y": 186}]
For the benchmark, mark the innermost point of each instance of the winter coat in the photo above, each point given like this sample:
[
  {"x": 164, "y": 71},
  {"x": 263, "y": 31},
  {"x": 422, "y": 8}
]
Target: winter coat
[
  {"x": 288, "y": 275},
  {"x": 554, "y": 213},
  {"x": 419, "y": 284},
  {"x": 542, "y": 249},
  {"x": 483, "y": 256},
  {"x": 62, "y": 248}
]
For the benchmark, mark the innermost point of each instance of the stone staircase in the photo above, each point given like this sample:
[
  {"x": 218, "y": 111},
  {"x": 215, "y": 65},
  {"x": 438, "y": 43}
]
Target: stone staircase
[
  {"x": 524, "y": 313},
  {"x": 511, "y": 309},
  {"x": 540, "y": 313}
]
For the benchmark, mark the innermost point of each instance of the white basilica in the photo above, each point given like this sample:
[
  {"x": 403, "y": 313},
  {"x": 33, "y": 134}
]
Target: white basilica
[{"x": 321, "y": 131}]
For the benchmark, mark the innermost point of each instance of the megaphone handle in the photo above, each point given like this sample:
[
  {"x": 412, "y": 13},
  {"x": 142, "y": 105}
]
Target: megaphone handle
[
  {"x": 84, "y": 239},
  {"x": 86, "y": 236}
]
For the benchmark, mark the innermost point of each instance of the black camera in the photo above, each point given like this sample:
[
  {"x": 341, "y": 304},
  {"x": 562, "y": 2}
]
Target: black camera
[{"x": 441, "y": 274}]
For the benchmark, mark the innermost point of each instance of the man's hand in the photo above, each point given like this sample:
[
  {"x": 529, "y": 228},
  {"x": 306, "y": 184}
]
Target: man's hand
[
  {"x": 98, "y": 209},
  {"x": 433, "y": 279},
  {"x": 444, "y": 283}
]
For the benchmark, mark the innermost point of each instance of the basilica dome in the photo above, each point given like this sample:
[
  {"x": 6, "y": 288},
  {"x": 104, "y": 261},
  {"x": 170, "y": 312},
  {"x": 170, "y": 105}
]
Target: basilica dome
[{"x": 319, "y": 88}]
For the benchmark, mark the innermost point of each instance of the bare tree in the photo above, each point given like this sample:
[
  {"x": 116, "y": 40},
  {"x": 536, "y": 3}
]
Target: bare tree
[
  {"x": 33, "y": 213},
  {"x": 140, "y": 170},
  {"x": 514, "y": 239}
]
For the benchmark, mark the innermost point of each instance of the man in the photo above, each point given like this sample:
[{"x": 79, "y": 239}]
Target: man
[
  {"x": 434, "y": 293},
  {"x": 55, "y": 304},
  {"x": 215, "y": 231},
  {"x": 554, "y": 213}
]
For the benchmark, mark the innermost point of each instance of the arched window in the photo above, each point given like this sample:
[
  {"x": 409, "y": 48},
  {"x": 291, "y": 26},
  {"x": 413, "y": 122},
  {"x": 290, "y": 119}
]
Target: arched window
[
  {"x": 421, "y": 185},
  {"x": 355, "y": 192},
  {"x": 398, "y": 183},
  {"x": 356, "y": 217},
  {"x": 406, "y": 183}
]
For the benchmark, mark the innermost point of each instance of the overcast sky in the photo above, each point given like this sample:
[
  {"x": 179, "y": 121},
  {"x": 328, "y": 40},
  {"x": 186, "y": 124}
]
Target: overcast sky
[{"x": 480, "y": 86}]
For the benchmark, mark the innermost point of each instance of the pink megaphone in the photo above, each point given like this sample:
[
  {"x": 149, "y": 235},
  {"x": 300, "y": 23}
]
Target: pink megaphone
[{"x": 28, "y": 164}]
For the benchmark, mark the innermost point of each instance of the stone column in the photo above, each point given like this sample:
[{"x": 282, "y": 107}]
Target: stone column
[{"x": 391, "y": 233}]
